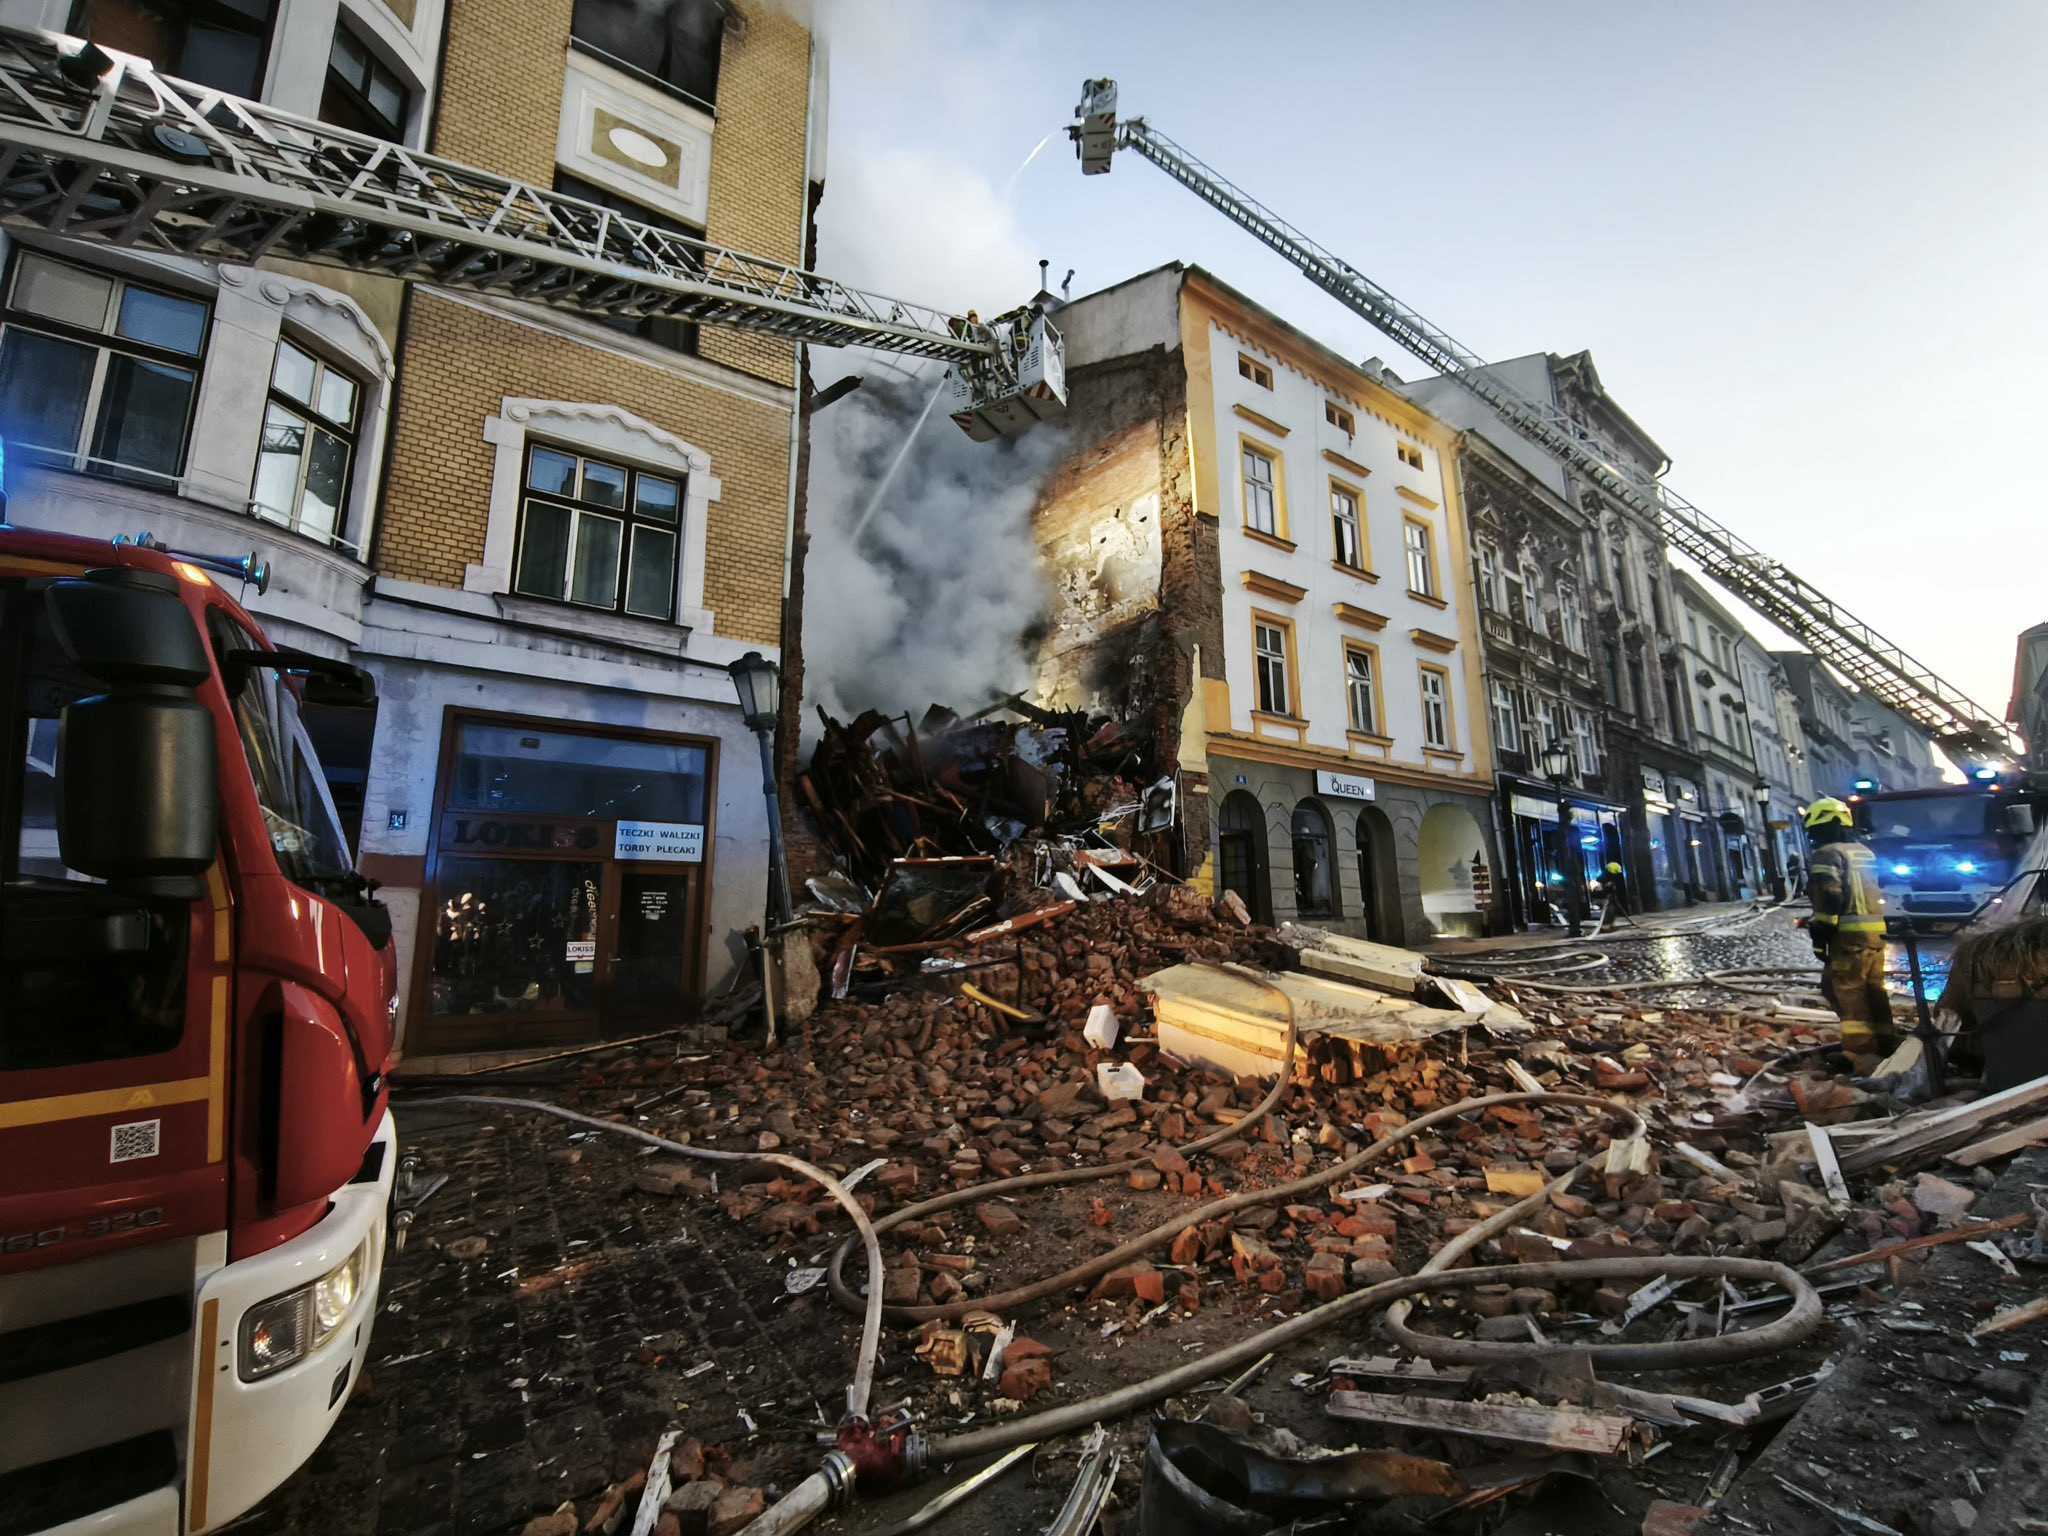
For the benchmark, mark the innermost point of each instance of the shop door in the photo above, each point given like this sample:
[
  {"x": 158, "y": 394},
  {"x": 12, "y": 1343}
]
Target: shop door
[{"x": 649, "y": 977}]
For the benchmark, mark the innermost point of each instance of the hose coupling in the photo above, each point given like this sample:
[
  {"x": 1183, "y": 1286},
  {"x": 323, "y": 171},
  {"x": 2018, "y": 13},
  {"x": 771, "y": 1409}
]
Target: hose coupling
[
  {"x": 881, "y": 1457},
  {"x": 837, "y": 1470}
]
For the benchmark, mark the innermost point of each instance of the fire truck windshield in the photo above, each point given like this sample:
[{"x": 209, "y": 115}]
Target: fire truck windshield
[{"x": 1933, "y": 819}]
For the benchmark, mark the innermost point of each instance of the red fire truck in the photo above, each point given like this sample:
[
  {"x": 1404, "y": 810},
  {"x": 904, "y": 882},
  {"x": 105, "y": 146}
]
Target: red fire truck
[{"x": 197, "y": 995}]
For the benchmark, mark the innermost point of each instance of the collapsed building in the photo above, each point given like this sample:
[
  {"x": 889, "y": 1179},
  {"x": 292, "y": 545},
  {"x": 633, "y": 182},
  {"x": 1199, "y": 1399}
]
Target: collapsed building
[{"x": 1257, "y": 556}]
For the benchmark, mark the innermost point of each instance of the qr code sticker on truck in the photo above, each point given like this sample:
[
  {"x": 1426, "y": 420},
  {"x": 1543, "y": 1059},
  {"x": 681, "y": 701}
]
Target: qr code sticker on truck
[{"x": 139, "y": 1138}]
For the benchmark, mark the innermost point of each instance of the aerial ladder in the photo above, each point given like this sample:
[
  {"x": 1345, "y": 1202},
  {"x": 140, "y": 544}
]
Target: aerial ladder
[
  {"x": 95, "y": 145},
  {"x": 1965, "y": 729}
]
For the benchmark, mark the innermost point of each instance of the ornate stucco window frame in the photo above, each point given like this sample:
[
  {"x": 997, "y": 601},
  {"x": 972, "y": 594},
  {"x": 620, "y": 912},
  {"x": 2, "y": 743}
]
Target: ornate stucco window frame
[{"x": 607, "y": 431}]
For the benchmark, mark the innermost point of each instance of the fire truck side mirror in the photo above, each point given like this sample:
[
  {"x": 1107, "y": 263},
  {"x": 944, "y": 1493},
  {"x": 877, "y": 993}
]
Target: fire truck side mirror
[
  {"x": 138, "y": 776},
  {"x": 2017, "y": 820}
]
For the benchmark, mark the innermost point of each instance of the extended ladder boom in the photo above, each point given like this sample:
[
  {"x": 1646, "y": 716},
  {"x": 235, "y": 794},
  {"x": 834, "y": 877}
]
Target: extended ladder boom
[
  {"x": 95, "y": 145},
  {"x": 1796, "y": 606}
]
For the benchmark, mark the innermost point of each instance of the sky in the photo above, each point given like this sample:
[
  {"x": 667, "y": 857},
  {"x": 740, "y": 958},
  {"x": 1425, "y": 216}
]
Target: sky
[{"x": 1804, "y": 243}]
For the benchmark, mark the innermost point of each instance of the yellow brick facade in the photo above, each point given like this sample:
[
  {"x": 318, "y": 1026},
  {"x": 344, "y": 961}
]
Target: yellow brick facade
[
  {"x": 500, "y": 107},
  {"x": 462, "y": 363}
]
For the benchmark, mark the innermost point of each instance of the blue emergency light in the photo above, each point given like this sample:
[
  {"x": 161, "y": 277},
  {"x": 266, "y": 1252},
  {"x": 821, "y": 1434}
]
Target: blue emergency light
[
  {"x": 1966, "y": 866},
  {"x": 1864, "y": 786},
  {"x": 1902, "y": 869},
  {"x": 1985, "y": 774}
]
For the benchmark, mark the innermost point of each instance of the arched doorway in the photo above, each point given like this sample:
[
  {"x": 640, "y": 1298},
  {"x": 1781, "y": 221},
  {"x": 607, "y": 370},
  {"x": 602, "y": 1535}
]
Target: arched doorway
[
  {"x": 1378, "y": 896},
  {"x": 1450, "y": 841},
  {"x": 1315, "y": 861},
  {"x": 1241, "y": 853}
]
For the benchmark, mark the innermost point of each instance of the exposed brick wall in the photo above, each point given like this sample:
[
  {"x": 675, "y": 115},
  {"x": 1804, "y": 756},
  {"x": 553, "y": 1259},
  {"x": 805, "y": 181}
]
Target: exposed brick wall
[
  {"x": 1134, "y": 656},
  {"x": 758, "y": 202},
  {"x": 501, "y": 86},
  {"x": 461, "y": 363}
]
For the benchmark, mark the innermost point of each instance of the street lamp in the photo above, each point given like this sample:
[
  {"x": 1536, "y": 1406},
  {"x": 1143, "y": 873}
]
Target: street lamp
[
  {"x": 1557, "y": 767},
  {"x": 1763, "y": 807},
  {"x": 758, "y": 682}
]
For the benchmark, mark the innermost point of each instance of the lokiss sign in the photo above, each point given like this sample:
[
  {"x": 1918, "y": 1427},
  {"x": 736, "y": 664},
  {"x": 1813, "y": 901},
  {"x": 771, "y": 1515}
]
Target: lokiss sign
[{"x": 1343, "y": 786}]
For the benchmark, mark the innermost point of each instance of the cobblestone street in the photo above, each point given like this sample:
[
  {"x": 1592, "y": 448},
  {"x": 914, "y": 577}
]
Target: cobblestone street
[
  {"x": 543, "y": 1369},
  {"x": 547, "y": 1318}
]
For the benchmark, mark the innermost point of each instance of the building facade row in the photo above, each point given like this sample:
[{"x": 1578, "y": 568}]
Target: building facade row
[
  {"x": 545, "y": 534},
  {"x": 1420, "y": 676}
]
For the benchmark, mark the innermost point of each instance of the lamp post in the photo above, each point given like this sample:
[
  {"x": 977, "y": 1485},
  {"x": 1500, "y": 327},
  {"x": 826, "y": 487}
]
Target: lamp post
[
  {"x": 758, "y": 683},
  {"x": 1763, "y": 811},
  {"x": 1557, "y": 767}
]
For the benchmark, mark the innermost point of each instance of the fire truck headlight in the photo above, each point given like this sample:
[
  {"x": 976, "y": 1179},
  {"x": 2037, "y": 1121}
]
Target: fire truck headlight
[
  {"x": 285, "y": 1329},
  {"x": 334, "y": 1293}
]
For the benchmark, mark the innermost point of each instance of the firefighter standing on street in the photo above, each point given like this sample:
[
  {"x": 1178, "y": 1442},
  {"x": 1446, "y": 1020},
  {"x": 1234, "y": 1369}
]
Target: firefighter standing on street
[
  {"x": 1615, "y": 880},
  {"x": 1848, "y": 931}
]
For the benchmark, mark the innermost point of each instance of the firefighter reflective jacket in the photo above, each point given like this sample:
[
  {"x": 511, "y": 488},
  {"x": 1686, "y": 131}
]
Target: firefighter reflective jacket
[{"x": 1842, "y": 881}]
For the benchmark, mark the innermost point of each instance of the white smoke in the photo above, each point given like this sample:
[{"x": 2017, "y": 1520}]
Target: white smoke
[{"x": 939, "y": 598}]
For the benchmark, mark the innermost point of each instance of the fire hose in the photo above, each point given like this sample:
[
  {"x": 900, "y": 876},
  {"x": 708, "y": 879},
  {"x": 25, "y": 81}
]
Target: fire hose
[
  {"x": 861, "y": 1388},
  {"x": 866, "y": 1457}
]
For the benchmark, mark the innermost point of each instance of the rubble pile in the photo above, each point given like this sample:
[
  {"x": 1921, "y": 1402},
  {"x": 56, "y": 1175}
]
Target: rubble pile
[
  {"x": 1059, "y": 799},
  {"x": 952, "y": 1062}
]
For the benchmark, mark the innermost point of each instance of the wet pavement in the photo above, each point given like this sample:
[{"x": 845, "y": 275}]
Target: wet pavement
[
  {"x": 544, "y": 1368},
  {"x": 541, "y": 1368},
  {"x": 1672, "y": 946}
]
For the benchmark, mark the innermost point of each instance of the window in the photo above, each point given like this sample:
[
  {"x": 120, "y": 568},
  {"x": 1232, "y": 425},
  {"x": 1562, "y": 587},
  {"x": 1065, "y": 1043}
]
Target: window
[
  {"x": 1571, "y": 618},
  {"x": 672, "y": 43},
  {"x": 1436, "y": 709},
  {"x": 1692, "y": 631},
  {"x": 1361, "y": 690},
  {"x": 1623, "y": 592},
  {"x": 1410, "y": 454},
  {"x": 1516, "y": 585},
  {"x": 665, "y": 330},
  {"x": 1314, "y": 888},
  {"x": 1339, "y": 418},
  {"x": 508, "y": 768},
  {"x": 1270, "y": 643},
  {"x": 1639, "y": 696},
  {"x": 1546, "y": 726},
  {"x": 1347, "y": 534},
  {"x": 1610, "y": 657},
  {"x": 1489, "y": 576},
  {"x": 308, "y": 444},
  {"x": 1251, "y": 368},
  {"x": 599, "y": 535},
  {"x": 1261, "y": 492},
  {"x": 1417, "y": 545},
  {"x": 363, "y": 94},
  {"x": 65, "y": 1004},
  {"x": 291, "y": 791},
  {"x": 99, "y": 372},
  {"x": 1506, "y": 728},
  {"x": 221, "y": 43},
  {"x": 1585, "y": 745}
]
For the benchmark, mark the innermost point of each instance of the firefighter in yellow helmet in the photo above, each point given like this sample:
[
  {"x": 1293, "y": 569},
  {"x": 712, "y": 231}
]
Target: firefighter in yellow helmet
[{"x": 1848, "y": 931}]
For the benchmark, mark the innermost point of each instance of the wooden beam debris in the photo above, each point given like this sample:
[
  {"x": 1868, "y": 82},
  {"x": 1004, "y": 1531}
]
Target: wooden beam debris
[
  {"x": 1949, "y": 1128},
  {"x": 2004, "y": 1144},
  {"x": 1931, "y": 1240},
  {"x": 1552, "y": 1429}
]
